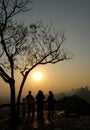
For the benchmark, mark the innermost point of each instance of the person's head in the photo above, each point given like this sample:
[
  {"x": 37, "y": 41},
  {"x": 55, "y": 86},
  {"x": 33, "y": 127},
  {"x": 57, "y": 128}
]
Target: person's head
[
  {"x": 50, "y": 92},
  {"x": 29, "y": 92},
  {"x": 40, "y": 92}
]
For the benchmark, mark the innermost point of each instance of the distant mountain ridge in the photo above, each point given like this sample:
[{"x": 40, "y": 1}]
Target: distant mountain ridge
[{"x": 82, "y": 92}]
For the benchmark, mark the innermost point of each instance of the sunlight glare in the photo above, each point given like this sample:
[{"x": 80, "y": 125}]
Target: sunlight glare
[{"x": 37, "y": 76}]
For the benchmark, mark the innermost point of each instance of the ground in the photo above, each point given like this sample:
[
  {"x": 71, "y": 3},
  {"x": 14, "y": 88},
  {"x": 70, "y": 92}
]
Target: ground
[{"x": 60, "y": 122}]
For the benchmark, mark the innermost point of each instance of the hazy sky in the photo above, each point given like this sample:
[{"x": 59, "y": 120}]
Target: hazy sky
[{"x": 73, "y": 16}]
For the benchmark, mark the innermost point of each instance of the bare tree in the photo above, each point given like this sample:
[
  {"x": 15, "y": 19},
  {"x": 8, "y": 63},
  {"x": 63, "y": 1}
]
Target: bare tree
[
  {"x": 24, "y": 48},
  {"x": 12, "y": 39},
  {"x": 45, "y": 47}
]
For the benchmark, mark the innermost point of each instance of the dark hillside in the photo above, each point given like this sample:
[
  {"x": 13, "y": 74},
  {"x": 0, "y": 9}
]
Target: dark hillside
[
  {"x": 84, "y": 93},
  {"x": 74, "y": 105}
]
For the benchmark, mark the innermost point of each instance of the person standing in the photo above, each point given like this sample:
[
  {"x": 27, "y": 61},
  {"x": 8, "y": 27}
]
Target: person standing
[
  {"x": 40, "y": 103},
  {"x": 51, "y": 101},
  {"x": 29, "y": 100}
]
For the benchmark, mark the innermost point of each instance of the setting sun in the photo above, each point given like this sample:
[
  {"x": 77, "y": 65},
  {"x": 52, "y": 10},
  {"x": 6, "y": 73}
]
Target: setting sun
[{"x": 37, "y": 76}]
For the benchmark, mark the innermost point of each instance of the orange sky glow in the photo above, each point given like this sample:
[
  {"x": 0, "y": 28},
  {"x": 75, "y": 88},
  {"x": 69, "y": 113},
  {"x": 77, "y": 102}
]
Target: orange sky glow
[{"x": 74, "y": 18}]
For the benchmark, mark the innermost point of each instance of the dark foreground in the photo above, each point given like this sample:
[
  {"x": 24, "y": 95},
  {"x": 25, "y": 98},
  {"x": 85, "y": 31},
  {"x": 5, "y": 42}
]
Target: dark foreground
[{"x": 60, "y": 122}]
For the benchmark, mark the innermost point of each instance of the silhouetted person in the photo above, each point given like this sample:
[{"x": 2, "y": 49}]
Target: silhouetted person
[
  {"x": 29, "y": 99},
  {"x": 40, "y": 103},
  {"x": 51, "y": 101}
]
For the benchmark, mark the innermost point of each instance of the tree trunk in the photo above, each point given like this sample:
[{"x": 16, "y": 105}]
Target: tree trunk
[
  {"x": 19, "y": 95},
  {"x": 12, "y": 102}
]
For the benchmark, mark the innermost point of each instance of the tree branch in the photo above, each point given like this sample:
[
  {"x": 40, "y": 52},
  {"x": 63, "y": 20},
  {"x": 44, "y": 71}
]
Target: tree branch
[{"x": 4, "y": 75}]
